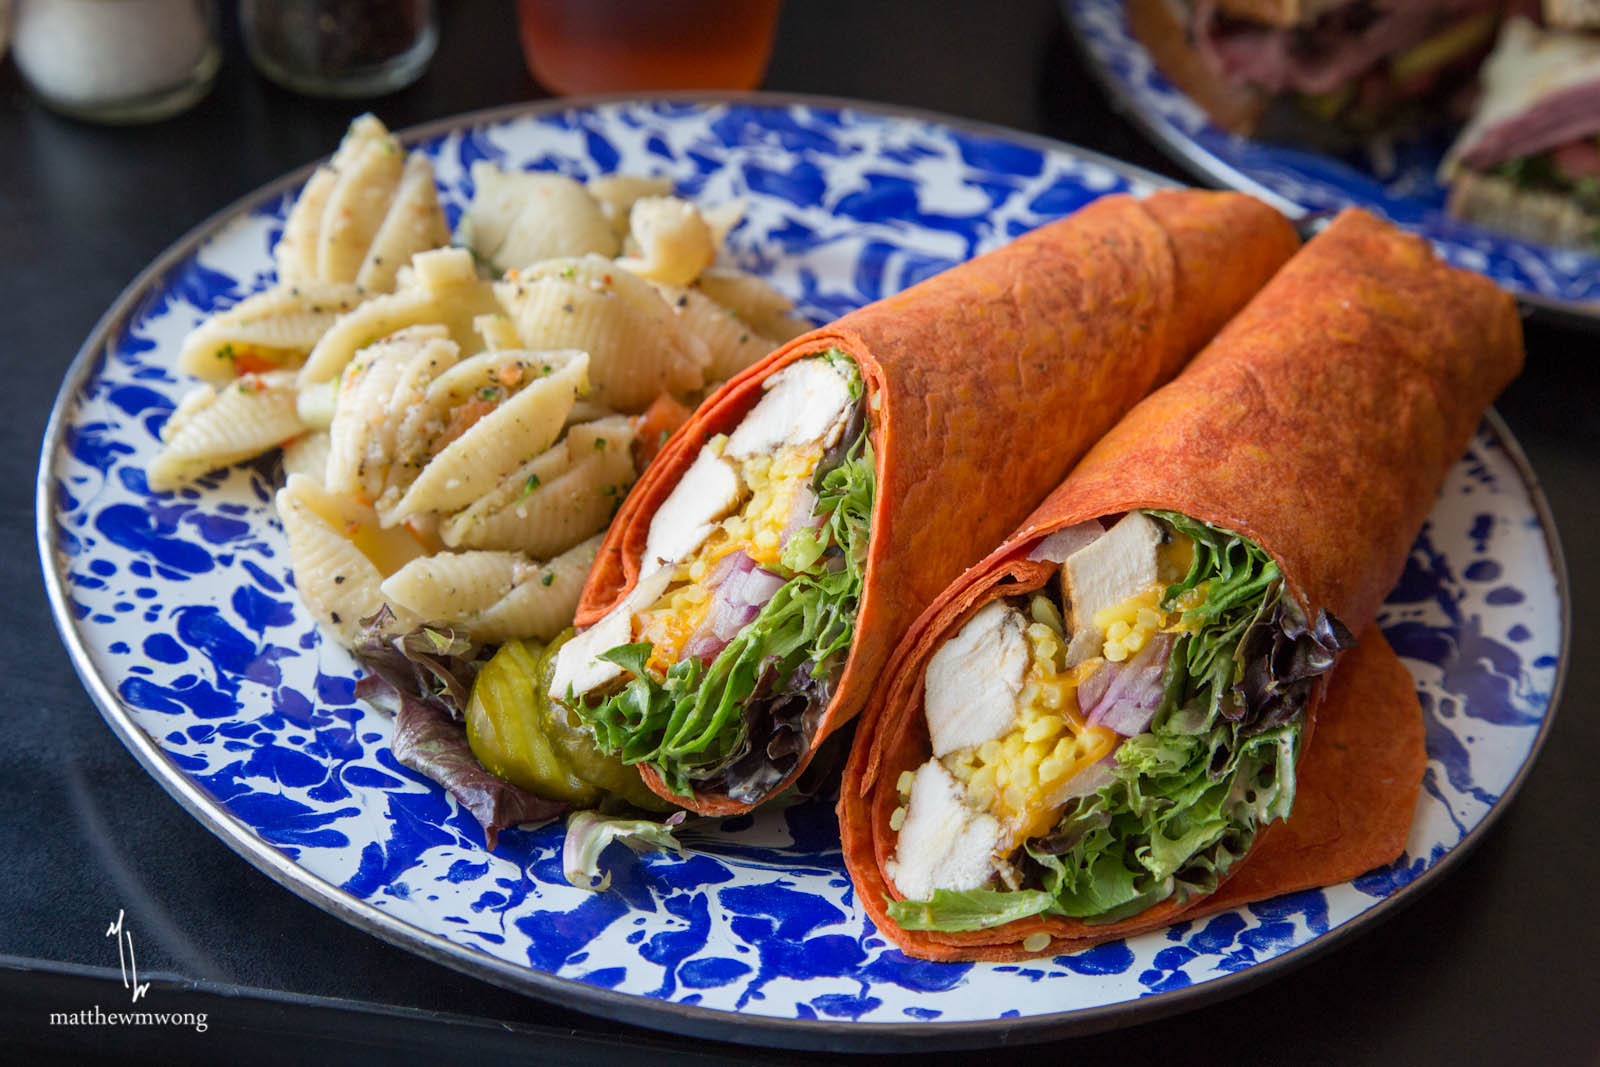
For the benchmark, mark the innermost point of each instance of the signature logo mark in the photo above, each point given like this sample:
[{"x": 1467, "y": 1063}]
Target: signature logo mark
[{"x": 126, "y": 961}]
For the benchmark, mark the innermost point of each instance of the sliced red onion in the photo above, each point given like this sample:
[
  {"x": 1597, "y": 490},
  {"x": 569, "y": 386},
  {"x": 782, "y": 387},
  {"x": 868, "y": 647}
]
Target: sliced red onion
[
  {"x": 1133, "y": 692},
  {"x": 1063, "y": 543},
  {"x": 1129, "y": 720},
  {"x": 726, "y": 620},
  {"x": 704, "y": 646},
  {"x": 734, "y": 562},
  {"x": 757, "y": 588},
  {"x": 1089, "y": 780},
  {"x": 801, "y": 515},
  {"x": 739, "y": 591},
  {"x": 1092, "y": 688}
]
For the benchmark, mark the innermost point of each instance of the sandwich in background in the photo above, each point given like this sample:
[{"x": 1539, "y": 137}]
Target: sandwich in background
[
  {"x": 1528, "y": 162},
  {"x": 1321, "y": 70},
  {"x": 1572, "y": 14}
]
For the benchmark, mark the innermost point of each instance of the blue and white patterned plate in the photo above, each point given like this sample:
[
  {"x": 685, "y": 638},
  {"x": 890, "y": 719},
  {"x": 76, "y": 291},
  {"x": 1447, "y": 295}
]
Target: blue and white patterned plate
[
  {"x": 179, "y": 612},
  {"x": 1396, "y": 181}
]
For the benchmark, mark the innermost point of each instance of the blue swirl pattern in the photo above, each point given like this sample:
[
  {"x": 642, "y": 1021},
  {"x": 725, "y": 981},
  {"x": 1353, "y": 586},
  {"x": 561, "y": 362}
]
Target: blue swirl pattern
[
  {"x": 186, "y": 604},
  {"x": 1397, "y": 181}
]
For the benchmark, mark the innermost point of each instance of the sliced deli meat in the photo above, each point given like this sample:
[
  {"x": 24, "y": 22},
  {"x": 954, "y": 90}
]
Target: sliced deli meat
[
  {"x": 708, "y": 491},
  {"x": 1327, "y": 49},
  {"x": 806, "y": 401},
  {"x": 1104, "y": 573}
]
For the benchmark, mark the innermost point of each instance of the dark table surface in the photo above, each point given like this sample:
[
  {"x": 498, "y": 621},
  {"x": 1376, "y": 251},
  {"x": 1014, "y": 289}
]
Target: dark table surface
[{"x": 1495, "y": 964}]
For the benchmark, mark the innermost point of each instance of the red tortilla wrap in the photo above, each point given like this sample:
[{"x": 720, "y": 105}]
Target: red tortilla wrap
[
  {"x": 998, "y": 372},
  {"x": 1320, "y": 424}
]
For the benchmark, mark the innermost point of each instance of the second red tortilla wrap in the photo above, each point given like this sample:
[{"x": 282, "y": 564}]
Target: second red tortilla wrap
[
  {"x": 998, "y": 372},
  {"x": 1319, "y": 424}
]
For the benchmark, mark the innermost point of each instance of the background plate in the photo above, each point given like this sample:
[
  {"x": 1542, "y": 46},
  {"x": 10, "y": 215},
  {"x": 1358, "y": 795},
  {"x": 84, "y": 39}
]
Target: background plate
[
  {"x": 181, "y": 618},
  {"x": 1397, "y": 183}
]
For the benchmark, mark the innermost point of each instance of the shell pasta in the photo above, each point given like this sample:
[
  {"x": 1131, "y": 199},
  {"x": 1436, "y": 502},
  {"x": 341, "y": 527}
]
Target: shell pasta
[
  {"x": 543, "y": 387},
  {"x": 674, "y": 242},
  {"x": 493, "y": 596},
  {"x": 767, "y": 311},
  {"x": 218, "y": 425},
  {"x": 340, "y": 555},
  {"x": 441, "y": 288},
  {"x": 272, "y": 330},
  {"x": 541, "y": 605},
  {"x": 637, "y": 348},
  {"x": 523, "y": 218},
  {"x": 731, "y": 343},
  {"x": 564, "y": 494},
  {"x": 460, "y": 423},
  {"x": 413, "y": 223},
  {"x": 362, "y": 214}
]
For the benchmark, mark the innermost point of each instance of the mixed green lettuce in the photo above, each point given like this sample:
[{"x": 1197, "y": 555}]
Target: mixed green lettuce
[
  {"x": 1189, "y": 795},
  {"x": 424, "y": 678},
  {"x": 589, "y": 832},
  {"x": 739, "y": 725}
]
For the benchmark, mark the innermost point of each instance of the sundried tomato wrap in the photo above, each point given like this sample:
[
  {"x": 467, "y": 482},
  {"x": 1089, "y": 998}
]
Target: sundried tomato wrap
[
  {"x": 1320, "y": 424},
  {"x": 984, "y": 384}
]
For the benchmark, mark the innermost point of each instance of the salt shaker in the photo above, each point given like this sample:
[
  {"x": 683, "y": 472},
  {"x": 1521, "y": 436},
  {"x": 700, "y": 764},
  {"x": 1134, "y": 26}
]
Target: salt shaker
[
  {"x": 340, "y": 48},
  {"x": 117, "y": 61}
]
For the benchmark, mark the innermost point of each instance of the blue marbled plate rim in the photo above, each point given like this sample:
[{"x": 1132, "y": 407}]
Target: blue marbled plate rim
[
  {"x": 1212, "y": 168},
  {"x": 689, "y": 1019}
]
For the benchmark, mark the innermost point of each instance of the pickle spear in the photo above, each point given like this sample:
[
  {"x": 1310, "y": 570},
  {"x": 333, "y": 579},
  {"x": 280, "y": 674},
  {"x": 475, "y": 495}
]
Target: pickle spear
[
  {"x": 518, "y": 734},
  {"x": 505, "y": 729},
  {"x": 571, "y": 737}
]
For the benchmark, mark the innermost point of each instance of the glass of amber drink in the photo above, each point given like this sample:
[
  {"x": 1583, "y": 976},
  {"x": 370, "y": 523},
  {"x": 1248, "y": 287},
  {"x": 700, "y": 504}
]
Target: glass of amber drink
[{"x": 605, "y": 46}]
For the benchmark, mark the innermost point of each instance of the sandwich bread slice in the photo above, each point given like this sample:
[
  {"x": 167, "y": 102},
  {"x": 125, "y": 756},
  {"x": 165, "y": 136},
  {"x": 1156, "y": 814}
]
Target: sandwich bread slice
[{"x": 1528, "y": 162}]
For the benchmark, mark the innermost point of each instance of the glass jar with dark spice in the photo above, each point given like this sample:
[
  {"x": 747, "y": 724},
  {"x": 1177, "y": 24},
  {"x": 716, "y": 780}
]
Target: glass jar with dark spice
[{"x": 340, "y": 48}]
